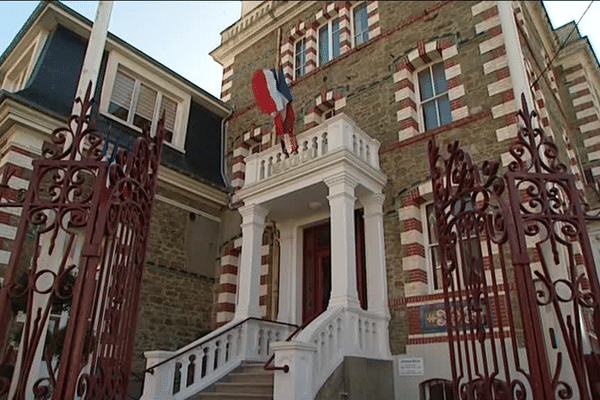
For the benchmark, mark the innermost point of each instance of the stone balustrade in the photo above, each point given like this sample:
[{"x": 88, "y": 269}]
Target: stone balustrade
[
  {"x": 205, "y": 361},
  {"x": 335, "y": 134},
  {"x": 321, "y": 347}
]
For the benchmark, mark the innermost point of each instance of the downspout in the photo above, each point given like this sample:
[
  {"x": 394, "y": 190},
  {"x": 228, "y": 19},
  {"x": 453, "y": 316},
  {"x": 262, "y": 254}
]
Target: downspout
[
  {"x": 514, "y": 54},
  {"x": 223, "y": 161}
]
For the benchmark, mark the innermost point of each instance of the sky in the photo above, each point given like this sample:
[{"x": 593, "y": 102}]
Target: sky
[{"x": 180, "y": 34}]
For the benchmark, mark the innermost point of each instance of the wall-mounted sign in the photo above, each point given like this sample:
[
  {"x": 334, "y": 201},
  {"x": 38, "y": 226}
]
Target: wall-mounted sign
[{"x": 411, "y": 366}]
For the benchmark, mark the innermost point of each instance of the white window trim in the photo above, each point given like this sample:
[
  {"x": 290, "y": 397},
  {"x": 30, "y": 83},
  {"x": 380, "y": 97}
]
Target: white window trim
[
  {"x": 23, "y": 66},
  {"x": 303, "y": 38},
  {"x": 418, "y": 101},
  {"x": 426, "y": 245},
  {"x": 352, "y": 33},
  {"x": 329, "y": 24},
  {"x": 156, "y": 82}
]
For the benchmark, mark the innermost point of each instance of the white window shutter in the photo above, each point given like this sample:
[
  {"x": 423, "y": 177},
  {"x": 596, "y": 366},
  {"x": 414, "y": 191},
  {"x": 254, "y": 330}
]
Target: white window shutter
[
  {"x": 170, "y": 108},
  {"x": 146, "y": 102},
  {"x": 122, "y": 90}
]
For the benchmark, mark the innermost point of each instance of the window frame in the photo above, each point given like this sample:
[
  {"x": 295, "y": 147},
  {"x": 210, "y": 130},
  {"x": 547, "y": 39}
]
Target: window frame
[
  {"x": 353, "y": 24},
  {"x": 296, "y": 76},
  {"x": 434, "y": 98},
  {"x": 427, "y": 245},
  {"x": 153, "y": 80},
  {"x": 428, "y": 259},
  {"x": 17, "y": 76},
  {"x": 329, "y": 25}
]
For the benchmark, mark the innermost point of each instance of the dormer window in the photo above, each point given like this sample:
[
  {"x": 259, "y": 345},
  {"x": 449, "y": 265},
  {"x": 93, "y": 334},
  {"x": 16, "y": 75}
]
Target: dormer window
[
  {"x": 137, "y": 97},
  {"x": 137, "y": 104}
]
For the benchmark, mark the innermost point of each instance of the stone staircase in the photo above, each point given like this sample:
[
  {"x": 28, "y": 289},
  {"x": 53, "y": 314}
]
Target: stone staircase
[{"x": 249, "y": 381}]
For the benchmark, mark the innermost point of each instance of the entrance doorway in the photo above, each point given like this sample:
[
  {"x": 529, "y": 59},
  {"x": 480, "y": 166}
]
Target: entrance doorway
[{"x": 317, "y": 267}]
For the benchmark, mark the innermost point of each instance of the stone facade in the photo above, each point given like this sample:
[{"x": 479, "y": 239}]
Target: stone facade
[{"x": 377, "y": 83}]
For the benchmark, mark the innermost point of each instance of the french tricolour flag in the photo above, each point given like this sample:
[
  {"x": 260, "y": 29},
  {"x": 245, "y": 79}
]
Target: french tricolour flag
[{"x": 274, "y": 98}]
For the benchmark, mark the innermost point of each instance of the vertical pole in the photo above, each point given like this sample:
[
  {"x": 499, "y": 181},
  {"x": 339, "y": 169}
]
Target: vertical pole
[
  {"x": 95, "y": 49},
  {"x": 82, "y": 298}
]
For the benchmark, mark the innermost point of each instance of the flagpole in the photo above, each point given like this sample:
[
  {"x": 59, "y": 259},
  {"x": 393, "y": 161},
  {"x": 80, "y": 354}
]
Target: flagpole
[{"x": 95, "y": 49}]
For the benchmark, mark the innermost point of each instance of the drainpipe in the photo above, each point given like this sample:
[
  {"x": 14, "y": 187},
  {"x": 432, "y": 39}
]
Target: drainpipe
[
  {"x": 514, "y": 54},
  {"x": 223, "y": 152}
]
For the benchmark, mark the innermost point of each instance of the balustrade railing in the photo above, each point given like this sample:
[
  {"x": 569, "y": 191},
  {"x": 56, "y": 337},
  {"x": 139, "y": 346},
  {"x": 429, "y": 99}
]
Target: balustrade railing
[
  {"x": 321, "y": 347},
  {"x": 183, "y": 373},
  {"x": 337, "y": 133}
]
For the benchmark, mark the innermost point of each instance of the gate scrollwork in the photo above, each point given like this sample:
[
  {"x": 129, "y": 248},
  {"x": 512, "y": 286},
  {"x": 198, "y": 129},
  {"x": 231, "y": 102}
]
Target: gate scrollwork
[
  {"x": 77, "y": 260},
  {"x": 516, "y": 258}
]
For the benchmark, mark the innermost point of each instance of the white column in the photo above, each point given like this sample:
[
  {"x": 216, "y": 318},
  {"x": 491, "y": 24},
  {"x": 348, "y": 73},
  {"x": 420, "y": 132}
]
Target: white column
[
  {"x": 377, "y": 294},
  {"x": 95, "y": 48},
  {"x": 343, "y": 252},
  {"x": 253, "y": 223},
  {"x": 286, "y": 272}
]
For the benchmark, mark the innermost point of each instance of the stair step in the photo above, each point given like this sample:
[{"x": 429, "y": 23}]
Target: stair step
[
  {"x": 254, "y": 368},
  {"x": 231, "y": 396},
  {"x": 244, "y": 387},
  {"x": 257, "y": 377}
]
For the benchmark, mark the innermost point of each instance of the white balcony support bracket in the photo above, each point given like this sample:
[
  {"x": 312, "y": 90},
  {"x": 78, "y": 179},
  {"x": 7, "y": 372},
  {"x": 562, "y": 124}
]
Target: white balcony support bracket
[{"x": 253, "y": 223}]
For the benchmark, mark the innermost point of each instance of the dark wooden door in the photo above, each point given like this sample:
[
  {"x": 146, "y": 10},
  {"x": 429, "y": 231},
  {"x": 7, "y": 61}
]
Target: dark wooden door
[
  {"x": 317, "y": 270},
  {"x": 317, "y": 267}
]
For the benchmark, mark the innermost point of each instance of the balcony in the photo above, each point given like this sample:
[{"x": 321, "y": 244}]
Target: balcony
[{"x": 320, "y": 150}]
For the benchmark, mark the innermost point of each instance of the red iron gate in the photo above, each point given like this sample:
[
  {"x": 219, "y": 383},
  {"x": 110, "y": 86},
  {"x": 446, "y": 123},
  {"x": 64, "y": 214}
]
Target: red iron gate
[
  {"x": 79, "y": 252},
  {"x": 520, "y": 285}
]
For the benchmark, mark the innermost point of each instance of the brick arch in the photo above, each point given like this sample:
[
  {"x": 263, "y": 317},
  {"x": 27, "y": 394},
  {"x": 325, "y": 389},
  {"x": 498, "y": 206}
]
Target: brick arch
[
  {"x": 422, "y": 54},
  {"x": 308, "y": 30},
  {"x": 253, "y": 136},
  {"x": 324, "y": 102}
]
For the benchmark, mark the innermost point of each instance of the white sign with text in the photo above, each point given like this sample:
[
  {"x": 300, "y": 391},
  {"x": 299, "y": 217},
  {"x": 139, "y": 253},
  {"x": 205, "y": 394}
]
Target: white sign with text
[{"x": 411, "y": 366}]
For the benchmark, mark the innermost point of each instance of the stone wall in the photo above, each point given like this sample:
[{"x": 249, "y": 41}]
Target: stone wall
[
  {"x": 468, "y": 38},
  {"x": 176, "y": 309},
  {"x": 177, "y": 305}
]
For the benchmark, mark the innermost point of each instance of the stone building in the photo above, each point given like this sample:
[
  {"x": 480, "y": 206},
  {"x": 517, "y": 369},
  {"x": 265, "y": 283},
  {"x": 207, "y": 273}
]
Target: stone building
[
  {"x": 39, "y": 73},
  {"x": 379, "y": 79},
  {"x": 338, "y": 239}
]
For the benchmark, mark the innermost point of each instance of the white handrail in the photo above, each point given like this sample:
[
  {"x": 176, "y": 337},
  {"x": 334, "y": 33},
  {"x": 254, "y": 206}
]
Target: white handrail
[
  {"x": 321, "y": 347},
  {"x": 208, "y": 359}
]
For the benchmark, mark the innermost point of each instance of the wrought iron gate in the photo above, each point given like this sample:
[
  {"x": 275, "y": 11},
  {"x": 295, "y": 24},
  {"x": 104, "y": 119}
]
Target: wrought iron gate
[
  {"x": 520, "y": 284},
  {"x": 76, "y": 266}
]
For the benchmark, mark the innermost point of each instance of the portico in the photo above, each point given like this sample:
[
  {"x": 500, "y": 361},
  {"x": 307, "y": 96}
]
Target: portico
[{"x": 335, "y": 172}]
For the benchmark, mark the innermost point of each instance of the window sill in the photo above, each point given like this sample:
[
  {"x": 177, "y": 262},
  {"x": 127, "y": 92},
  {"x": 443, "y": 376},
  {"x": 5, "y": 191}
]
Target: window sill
[{"x": 139, "y": 130}]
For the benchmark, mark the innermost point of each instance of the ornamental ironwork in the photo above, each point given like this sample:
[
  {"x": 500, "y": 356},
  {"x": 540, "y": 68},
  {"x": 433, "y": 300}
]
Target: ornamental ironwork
[
  {"x": 521, "y": 292},
  {"x": 76, "y": 265}
]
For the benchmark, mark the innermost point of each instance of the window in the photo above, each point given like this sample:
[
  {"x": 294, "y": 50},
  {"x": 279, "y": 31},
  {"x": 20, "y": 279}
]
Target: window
[
  {"x": 329, "y": 41},
  {"x": 361, "y": 24},
  {"x": 17, "y": 75},
  {"x": 436, "y": 389},
  {"x": 138, "y": 104},
  {"x": 432, "y": 249},
  {"x": 468, "y": 249},
  {"x": 300, "y": 58},
  {"x": 434, "y": 105}
]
